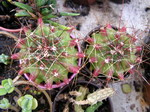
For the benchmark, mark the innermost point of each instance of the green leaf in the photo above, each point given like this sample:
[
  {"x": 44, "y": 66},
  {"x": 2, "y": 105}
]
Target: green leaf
[
  {"x": 30, "y": 97},
  {"x": 24, "y": 110},
  {"x": 27, "y": 103},
  {"x": 4, "y": 3},
  {"x": 20, "y": 100},
  {"x": 4, "y": 59},
  {"x": 68, "y": 14},
  {"x": 52, "y": 3},
  {"x": 23, "y": 6},
  {"x": 3, "y": 91},
  {"x": 34, "y": 104},
  {"x": 49, "y": 16},
  {"x": 9, "y": 88},
  {"x": 22, "y": 13},
  {"x": 58, "y": 25},
  {"x": 4, "y": 103},
  {"x": 10, "y": 82},
  {"x": 94, "y": 107},
  {"x": 24, "y": 104},
  {"x": 45, "y": 11},
  {"x": 40, "y": 3},
  {"x": 8, "y": 85}
]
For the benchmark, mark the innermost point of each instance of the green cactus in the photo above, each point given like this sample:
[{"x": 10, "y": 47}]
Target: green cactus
[
  {"x": 111, "y": 52},
  {"x": 47, "y": 55},
  {"x": 93, "y": 99},
  {"x": 84, "y": 91}
]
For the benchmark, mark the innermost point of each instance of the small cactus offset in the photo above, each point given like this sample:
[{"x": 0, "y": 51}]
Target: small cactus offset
[
  {"x": 47, "y": 56},
  {"x": 112, "y": 52},
  {"x": 100, "y": 95},
  {"x": 97, "y": 96}
]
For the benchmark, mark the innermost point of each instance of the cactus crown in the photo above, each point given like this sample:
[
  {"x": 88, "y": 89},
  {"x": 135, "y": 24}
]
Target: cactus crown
[
  {"x": 47, "y": 56},
  {"x": 111, "y": 52}
]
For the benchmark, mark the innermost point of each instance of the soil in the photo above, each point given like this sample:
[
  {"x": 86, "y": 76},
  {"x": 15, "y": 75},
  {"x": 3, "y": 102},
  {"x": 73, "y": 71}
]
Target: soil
[
  {"x": 121, "y": 1},
  {"x": 7, "y": 47},
  {"x": 146, "y": 56},
  {"x": 82, "y": 9},
  {"x": 7, "y": 18}
]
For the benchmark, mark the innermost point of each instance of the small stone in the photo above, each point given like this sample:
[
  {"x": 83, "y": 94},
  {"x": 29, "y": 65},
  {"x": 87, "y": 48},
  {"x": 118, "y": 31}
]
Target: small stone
[
  {"x": 132, "y": 106},
  {"x": 126, "y": 88}
]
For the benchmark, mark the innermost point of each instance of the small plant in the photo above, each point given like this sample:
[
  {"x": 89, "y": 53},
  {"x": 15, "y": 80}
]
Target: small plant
[
  {"x": 112, "y": 52},
  {"x": 34, "y": 9},
  {"x": 93, "y": 99},
  {"x": 27, "y": 103},
  {"x": 7, "y": 87},
  {"x": 4, "y": 103},
  {"x": 38, "y": 8},
  {"x": 47, "y": 55},
  {"x": 4, "y": 59},
  {"x": 45, "y": 9}
]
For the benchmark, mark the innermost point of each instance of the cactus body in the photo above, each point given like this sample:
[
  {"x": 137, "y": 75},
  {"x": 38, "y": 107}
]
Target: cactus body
[
  {"x": 42, "y": 58},
  {"x": 111, "y": 52}
]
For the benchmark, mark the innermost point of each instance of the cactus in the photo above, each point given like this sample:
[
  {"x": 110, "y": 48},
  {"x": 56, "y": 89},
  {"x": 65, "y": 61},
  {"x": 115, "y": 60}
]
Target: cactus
[
  {"x": 112, "y": 52},
  {"x": 93, "y": 108},
  {"x": 99, "y": 95},
  {"x": 84, "y": 91},
  {"x": 47, "y": 56},
  {"x": 96, "y": 96}
]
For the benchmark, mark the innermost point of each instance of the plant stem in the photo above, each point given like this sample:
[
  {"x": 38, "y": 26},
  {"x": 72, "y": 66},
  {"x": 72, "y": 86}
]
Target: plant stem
[
  {"x": 18, "y": 91},
  {"x": 48, "y": 98},
  {"x": 10, "y": 30},
  {"x": 16, "y": 78},
  {"x": 8, "y": 34},
  {"x": 13, "y": 108},
  {"x": 43, "y": 91}
]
